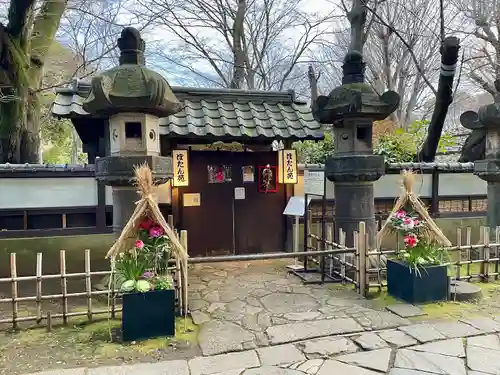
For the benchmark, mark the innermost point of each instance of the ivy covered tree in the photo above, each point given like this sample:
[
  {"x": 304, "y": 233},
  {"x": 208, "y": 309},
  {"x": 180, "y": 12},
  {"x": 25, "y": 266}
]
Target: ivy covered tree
[
  {"x": 401, "y": 146},
  {"x": 396, "y": 145},
  {"x": 24, "y": 44},
  {"x": 312, "y": 152}
]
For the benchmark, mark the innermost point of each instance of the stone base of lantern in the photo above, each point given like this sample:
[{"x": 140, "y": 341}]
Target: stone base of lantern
[{"x": 118, "y": 172}]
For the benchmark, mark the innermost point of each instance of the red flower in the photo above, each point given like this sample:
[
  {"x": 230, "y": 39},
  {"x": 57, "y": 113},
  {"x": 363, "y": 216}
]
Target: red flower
[
  {"x": 146, "y": 224},
  {"x": 410, "y": 240},
  {"x": 139, "y": 244},
  {"x": 219, "y": 176}
]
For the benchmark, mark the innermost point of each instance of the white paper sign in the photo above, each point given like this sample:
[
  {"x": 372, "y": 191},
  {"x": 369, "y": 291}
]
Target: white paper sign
[
  {"x": 314, "y": 182},
  {"x": 295, "y": 206},
  {"x": 239, "y": 193}
]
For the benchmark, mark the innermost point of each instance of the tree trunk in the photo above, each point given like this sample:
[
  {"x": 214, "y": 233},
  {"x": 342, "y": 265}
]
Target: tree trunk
[
  {"x": 357, "y": 19},
  {"x": 313, "y": 83},
  {"x": 444, "y": 97},
  {"x": 238, "y": 53},
  {"x": 24, "y": 61},
  {"x": 12, "y": 103},
  {"x": 30, "y": 131}
]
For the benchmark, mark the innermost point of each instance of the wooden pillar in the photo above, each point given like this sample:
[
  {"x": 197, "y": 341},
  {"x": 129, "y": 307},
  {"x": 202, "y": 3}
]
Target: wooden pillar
[
  {"x": 435, "y": 194},
  {"x": 100, "y": 219}
]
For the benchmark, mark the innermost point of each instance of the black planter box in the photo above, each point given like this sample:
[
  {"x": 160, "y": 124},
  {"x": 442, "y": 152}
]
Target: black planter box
[
  {"x": 432, "y": 284},
  {"x": 147, "y": 315}
]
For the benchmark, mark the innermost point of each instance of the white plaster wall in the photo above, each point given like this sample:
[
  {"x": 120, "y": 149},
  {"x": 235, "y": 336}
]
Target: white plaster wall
[
  {"x": 461, "y": 184},
  {"x": 47, "y": 192},
  {"x": 390, "y": 185},
  {"x": 162, "y": 193}
]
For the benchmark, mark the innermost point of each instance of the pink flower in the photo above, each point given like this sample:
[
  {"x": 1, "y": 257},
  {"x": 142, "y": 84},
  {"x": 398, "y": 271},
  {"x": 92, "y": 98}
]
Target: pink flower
[
  {"x": 416, "y": 222},
  {"x": 156, "y": 232},
  {"x": 410, "y": 240},
  {"x": 400, "y": 214},
  {"x": 139, "y": 244}
]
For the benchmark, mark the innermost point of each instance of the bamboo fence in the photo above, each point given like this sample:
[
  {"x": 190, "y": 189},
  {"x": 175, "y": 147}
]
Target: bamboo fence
[
  {"x": 88, "y": 294},
  {"x": 463, "y": 257}
]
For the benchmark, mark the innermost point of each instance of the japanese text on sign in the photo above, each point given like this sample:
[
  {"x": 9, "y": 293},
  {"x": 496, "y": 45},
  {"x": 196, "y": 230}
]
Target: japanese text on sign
[
  {"x": 288, "y": 166},
  {"x": 181, "y": 169}
]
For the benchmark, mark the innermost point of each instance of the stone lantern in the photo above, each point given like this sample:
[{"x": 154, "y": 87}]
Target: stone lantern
[
  {"x": 133, "y": 98},
  {"x": 487, "y": 119},
  {"x": 351, "y": 109}
]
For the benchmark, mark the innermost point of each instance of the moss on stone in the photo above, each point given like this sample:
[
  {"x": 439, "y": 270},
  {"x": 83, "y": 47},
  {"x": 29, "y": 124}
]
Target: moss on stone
[{"x": 96, "y": 334}]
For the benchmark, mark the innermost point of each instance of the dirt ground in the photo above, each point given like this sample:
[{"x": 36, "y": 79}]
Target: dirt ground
[
  {"x": 88, "y": 344},
  {"x": 81, "y": 343}
]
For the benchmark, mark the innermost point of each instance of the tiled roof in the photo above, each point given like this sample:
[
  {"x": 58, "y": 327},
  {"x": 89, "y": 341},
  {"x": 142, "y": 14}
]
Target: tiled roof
[{"x": 220, "y": 113}]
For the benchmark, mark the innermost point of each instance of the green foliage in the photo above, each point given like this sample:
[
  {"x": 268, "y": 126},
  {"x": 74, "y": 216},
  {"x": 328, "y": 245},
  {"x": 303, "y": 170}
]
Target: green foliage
[
  {"x": 57, "y": 135},
  {"x": 401, "y": 146},
  {"x": 145, "y": 267},
  {"x": 311, "y": 152},
  {"x": 420, "y": 248}
]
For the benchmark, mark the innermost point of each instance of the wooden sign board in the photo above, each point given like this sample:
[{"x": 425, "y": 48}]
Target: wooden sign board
[{"x": 191, "y": 199}]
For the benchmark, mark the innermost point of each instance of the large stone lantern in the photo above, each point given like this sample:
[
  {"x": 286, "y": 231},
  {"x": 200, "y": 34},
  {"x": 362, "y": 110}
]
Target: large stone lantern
[
  {"x": 134, "y": 98},
  {"x": 487, "y": 119},
  {"x": 351, "y": 110}
]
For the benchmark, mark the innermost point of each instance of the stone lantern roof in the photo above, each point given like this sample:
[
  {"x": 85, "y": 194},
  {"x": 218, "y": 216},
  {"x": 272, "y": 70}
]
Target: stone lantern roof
[
  {"x": 354, "y": 98},
  {"x": 131, "y": 87}
]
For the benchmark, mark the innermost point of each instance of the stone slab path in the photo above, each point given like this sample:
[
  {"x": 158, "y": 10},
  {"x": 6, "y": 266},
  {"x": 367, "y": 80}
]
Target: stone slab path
[
  {"x": 246, "y": 305},
  {"x": 469, "y": 347}
]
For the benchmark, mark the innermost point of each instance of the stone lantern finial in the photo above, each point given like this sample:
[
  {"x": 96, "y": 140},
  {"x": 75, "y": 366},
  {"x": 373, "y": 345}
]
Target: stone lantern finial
[
  {"x": 353, "y": 68},
  {"x": 132, "y": 47}
]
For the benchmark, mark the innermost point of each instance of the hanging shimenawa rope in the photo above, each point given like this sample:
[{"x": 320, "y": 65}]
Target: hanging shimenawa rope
[
  {"x": 147, "y": 207},
  {"x": 408, "y": 197}
]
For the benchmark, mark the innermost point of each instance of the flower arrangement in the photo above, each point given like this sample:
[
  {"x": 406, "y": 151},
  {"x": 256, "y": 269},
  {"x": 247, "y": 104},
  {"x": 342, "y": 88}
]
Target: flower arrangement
[
  {"x": 145, "y": 266},
  {"x": 420, "y": 250}
]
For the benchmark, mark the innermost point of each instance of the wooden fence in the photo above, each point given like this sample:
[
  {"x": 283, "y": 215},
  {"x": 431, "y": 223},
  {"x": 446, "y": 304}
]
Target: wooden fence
[
  {"x": 63, "y": 297},
  {"x": 366, "y": 268}
]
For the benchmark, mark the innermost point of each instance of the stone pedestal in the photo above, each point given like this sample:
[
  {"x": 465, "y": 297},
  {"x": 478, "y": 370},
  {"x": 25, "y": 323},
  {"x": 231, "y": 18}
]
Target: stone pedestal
[
  {"x": 487, "y": 119},
  {"x": 489, "y": 171},
  {"x": 124, "y": 199},
  {"x": 118, "y": 172},
  {"x": 353, "y": 177}
]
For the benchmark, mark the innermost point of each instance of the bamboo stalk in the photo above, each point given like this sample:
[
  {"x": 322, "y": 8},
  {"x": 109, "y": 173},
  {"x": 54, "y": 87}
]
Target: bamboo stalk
[
  {"x": 39, "y": 287},
  {"x": 49, "y": 321},
  {"x": 13, "y": 274},
  {"x": 64, "y": 285},
  {"x": 54, "y": 316},
  {"x": 88, "y": 284},
  {"x": 362, "y": 243},
  {"x": 342, "y": 238},
  {"x": 468, "y": 242},
  {"x": 356, "y": 260},
  {"x": 497, "y": 241},
  {"x": 329, "y": 238},
  {"x": 459, "y": 253},
  {"x": 49, "y": 297},
  {"x": 184, "y": 285},
  {"x": 55, "y": 276},
  {"x": 485, "y": 267}
]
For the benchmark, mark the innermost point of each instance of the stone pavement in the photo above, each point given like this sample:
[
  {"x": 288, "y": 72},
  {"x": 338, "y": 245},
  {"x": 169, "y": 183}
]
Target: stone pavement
[
  {"x": 245, "y": 305},
  {"x": 470, "y": 347}
]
